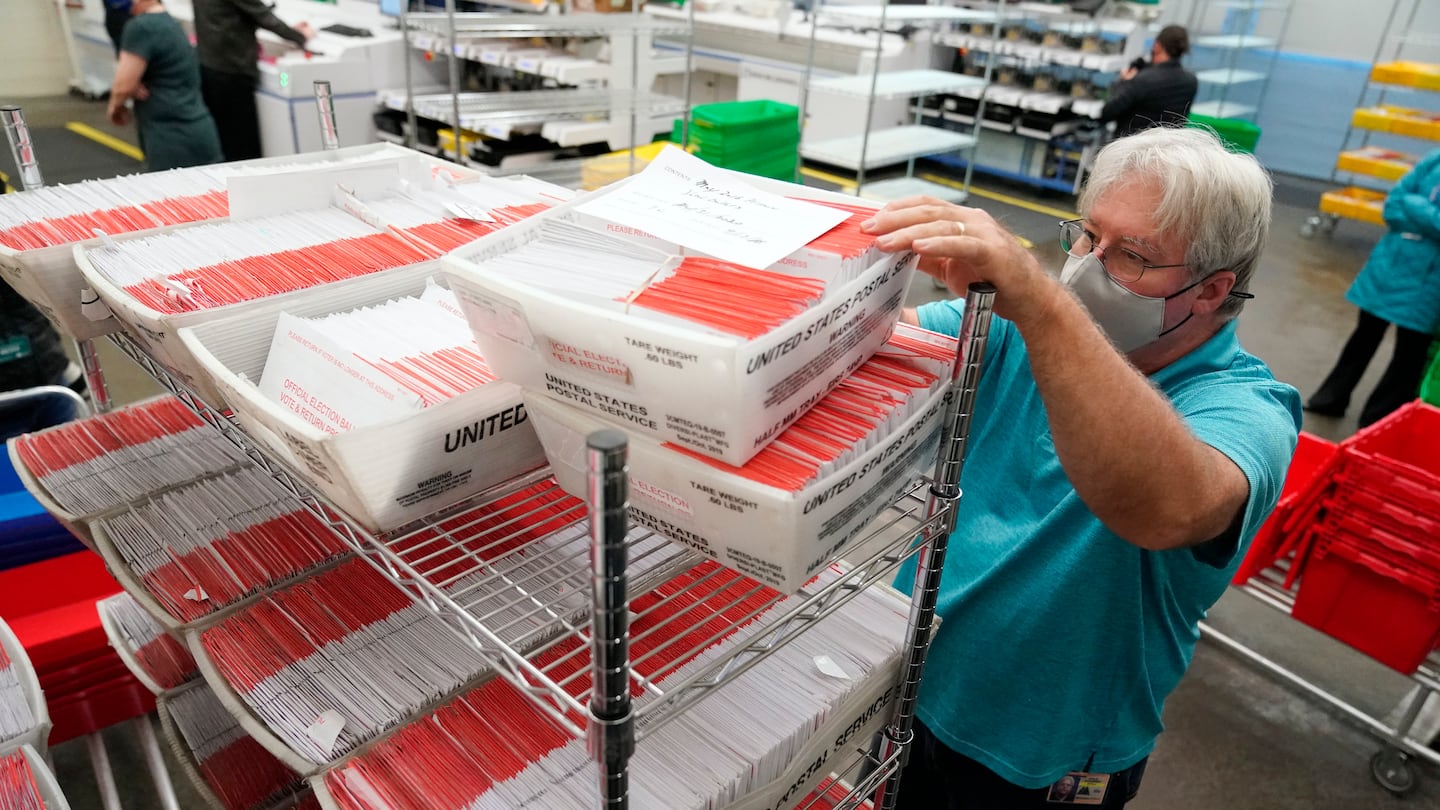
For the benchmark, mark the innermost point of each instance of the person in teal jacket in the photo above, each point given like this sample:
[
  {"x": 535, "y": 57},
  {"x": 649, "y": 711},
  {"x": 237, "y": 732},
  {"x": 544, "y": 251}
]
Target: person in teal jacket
[
  {"x": 1124, "y": 450},
  {"x": 1400, "y": 285}
]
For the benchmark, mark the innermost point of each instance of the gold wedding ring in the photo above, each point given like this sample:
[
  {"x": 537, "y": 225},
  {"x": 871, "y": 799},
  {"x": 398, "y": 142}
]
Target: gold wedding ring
[{"x": 959, "y": 228}]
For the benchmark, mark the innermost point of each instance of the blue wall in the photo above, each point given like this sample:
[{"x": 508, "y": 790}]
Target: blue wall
[{"x": 1305, "y": 108}]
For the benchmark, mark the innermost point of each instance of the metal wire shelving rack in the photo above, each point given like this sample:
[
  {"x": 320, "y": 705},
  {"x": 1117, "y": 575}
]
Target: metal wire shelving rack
[
  {"x": 426, "y": 559},
  {"x": 598, "y": 707}
]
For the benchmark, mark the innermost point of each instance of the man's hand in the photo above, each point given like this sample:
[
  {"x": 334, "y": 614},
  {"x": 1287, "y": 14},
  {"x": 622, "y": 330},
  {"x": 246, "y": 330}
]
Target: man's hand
[
  {"x": 306, "y": 30},
  {"x": 960, "y": 245},
  {"x": 118, "y": 114},
  {"x": 1128, "y": 74}
]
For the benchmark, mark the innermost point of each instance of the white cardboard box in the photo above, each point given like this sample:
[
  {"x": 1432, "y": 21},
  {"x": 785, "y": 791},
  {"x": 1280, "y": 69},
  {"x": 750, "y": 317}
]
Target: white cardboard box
[
  {"x": 49, "y": 278},
  {"x": 385, "y": 475},
  {"x": 723, "y": 396},
  {"x": 779, "y": 538}
]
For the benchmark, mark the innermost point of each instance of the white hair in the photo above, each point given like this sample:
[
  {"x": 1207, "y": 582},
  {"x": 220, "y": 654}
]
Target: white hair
[{"x": 1217, "y": 201}]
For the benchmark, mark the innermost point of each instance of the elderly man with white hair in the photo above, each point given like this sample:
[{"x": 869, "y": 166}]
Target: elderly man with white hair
[{"x": 1124, "y": 450}]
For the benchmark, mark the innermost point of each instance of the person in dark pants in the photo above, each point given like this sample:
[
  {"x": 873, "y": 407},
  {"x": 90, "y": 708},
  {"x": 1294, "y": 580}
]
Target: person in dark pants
[
  {"x": 1400, "y": 285},
  {"x": 1157, "y": 94},
  {"x": 936, "y": 773},
  {"x": 116, "y": 14},
  {"x": 225, "y": 38},
  {"x": 31, "y": 353},
  {"x": 1123, "y": 451}
]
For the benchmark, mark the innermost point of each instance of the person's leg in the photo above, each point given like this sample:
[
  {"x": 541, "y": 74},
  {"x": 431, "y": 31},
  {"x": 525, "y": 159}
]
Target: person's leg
[
  {"x": 937, "y": 778},
  {"x": 247, "y": 114},
  {"x": 231, "y": 101},
  {"x": 1333, "y": 396},
  {"x": 923, "y": 783},
  {"x": 115, "y": 19},
  {"x": 1401, "y": 381}
]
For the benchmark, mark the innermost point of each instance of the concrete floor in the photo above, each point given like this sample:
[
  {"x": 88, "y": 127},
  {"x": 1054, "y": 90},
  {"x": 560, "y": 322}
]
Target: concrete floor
[{"x": 1235, "y": 739}]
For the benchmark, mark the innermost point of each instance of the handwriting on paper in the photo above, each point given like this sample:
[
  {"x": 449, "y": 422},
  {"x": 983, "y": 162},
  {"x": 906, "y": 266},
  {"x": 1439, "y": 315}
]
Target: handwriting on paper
[{"x": 682, "y": 199}]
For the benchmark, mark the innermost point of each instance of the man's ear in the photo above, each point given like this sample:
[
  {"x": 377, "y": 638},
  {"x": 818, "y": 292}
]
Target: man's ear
[{"x": 1214, "y": 291}]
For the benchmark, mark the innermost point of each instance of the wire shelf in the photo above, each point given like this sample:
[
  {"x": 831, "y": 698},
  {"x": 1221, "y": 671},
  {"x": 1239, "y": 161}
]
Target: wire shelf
[
  {"x": 530, "y": 619},
  {"x": 871, "y": 772},
  {"x": 477, "y": 110},
  {"x": 564, "y": 25}
]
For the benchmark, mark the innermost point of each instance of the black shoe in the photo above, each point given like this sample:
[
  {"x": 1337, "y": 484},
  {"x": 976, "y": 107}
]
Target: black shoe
[{"x": 1321, "y": 406}]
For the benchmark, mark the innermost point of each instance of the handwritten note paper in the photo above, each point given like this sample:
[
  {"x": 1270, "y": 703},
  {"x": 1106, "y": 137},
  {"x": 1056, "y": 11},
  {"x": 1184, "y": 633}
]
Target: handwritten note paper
[{"x": 685, "y": 200}]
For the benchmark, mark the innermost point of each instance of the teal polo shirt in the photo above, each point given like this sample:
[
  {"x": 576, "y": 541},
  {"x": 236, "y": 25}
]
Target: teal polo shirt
[{"x": 1060, "y": 641}]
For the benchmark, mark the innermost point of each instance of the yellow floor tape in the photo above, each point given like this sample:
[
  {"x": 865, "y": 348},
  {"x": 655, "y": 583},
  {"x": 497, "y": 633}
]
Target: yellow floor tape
[
  {"x": 105, "y": 139},
  {"x": 844, "y": 183}
]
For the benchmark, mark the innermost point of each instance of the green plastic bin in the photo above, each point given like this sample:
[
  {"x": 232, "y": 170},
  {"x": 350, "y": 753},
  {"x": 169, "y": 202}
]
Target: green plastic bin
[
  {"x": 1430, "y": 386},
  {"x": 733, "y": 128},
  {"x": 741, "y": 117},
  {"x": 1237, "y": 134}
]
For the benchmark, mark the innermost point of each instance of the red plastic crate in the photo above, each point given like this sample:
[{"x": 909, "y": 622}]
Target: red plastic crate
[
  {"x": 51, "y": 607},
  {"x": 1306, "y": 483},
  {"x": 1386, "y": 612},
  {"x": 1360, "y": 509},
  {"x": 1414, "y": 494},
  {"x": 1378, "y": 544},
  {"x": 1404, "y": 447}
]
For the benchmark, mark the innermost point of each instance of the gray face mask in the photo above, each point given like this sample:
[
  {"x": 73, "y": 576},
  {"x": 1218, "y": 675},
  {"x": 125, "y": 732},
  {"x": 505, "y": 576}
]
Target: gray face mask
[{"x": 1129, "y": 319}]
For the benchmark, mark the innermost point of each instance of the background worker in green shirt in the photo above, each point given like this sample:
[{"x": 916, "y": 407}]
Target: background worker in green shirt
[{"x": 158, "y": 70}]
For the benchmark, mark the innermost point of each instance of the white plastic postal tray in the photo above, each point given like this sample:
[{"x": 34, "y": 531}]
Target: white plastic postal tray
[
  {"x": 50, "y": 279},
  {"x": 75, "y": 524},
  {"x": 129, "y": 656},
  {"x": 50, "y": 794},
  {"x": 185, "y": 757},
  {"x": 833, "y": 745},
  {"x": 383, "y": 475},
  {"x": 722, "y": 396},
  {"x": 777, "y": 537},
  {"x": 155, "y": 331},
  {"x": 39, "y": 735}
]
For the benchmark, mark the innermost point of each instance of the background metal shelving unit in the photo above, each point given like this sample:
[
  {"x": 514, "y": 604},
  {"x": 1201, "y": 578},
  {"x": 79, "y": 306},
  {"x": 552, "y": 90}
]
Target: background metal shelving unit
[
  {"x": 565, "y": 697},
  {"x": 1075, "y": 54},
  {"x": 874, "y": 149},
  {"x": 1239, "y": 36},
  {"x": 1370, "y": 176},
  {"x": 498, "y": 114}
]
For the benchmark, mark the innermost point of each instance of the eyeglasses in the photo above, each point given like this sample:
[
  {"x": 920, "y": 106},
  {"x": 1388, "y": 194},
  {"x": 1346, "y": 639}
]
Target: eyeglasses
[{"x": 1121, "y": 263}]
